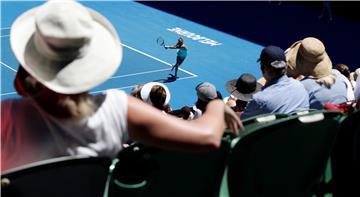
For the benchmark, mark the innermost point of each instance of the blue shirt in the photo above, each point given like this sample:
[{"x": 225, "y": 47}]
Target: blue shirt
[
  {"x": 282, "y": 95},
  {"x": 319, "y": 94}
]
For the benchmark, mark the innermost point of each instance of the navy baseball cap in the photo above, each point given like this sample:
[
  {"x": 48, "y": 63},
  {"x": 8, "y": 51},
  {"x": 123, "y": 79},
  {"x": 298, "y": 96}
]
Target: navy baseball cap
[{"x": 273, "y": 56}]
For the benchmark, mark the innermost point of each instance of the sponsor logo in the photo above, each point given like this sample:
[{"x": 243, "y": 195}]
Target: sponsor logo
[{"x": 194, "y": 36}]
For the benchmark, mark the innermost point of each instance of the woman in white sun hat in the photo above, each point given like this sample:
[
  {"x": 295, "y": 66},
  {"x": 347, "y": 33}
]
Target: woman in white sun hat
[
  {"x": 155, "y": 94},
  {"x": 69, "y": 49}
]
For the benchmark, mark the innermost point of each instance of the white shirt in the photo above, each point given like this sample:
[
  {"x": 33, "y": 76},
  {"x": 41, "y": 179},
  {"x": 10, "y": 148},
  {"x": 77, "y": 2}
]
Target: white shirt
[
  {"x": 357, "y": 89},
  {"x": 30, "y": 134},
  {"x": 350, "y": 91}
]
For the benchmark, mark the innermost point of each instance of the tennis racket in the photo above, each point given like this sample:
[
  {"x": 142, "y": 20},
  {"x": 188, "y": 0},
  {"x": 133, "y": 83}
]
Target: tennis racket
[{"x": 160, "y": 41}]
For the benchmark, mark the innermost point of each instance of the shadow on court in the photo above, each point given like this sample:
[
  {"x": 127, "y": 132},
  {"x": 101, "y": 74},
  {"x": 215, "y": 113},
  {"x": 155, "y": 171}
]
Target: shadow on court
[{"x": 167, "y": 80}]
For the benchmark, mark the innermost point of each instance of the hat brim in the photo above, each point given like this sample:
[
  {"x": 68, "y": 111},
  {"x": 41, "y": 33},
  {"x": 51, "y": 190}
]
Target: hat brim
[
  {"x": 298, "y": 65},
  {"x": 290, "y": 55},
  {"x": 103, "y": 57},
  {"x": 146, "y": 89},
  {"x": 231, "y": 88}
]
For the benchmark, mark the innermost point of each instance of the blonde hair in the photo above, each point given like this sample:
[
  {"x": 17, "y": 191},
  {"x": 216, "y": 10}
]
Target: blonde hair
[{"x": 327, "y": 81}]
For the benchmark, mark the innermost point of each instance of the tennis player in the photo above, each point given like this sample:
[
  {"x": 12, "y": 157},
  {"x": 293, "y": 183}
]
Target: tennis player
[{"x": 181, "y": 55}]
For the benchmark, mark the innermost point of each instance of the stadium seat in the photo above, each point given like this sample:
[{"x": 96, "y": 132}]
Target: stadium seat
[
  {"x": 173, "y": 173},
  {"x": 345, "y": 158},
  {"x": 284, "y": 157},
  {"x": 263, "y": 118},
  {"x": 59, "y": 177}
]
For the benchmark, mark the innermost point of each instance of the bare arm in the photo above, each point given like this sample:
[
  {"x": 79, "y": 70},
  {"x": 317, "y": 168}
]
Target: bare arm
[
  {"x": 171, "y": 46},
  {"x": 150, "y": 126},
  {"x": 175, "y": 46}
]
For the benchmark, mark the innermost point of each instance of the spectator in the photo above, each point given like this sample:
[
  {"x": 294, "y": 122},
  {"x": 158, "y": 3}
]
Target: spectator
[
  {"x": 344, "y": 70},
  {"x": 69, "y": 50},
  {"x": 135, "y": 92},
  {"x": 322, "y": 83},
  {"x": 357, "y": 88},
  {"x": 206, "y": 92},
  {"x": 242, "y": 90},
  {"x": 280, "y": 94},
  {"x": 291, "y": 61},
  {"x": 355, "y": 77},
  {"x": 24, "y": 83},
  {"x": 156, "y": 94},
  {"x": 356, "y": 74},
  {"x": 345, "y": 75}
]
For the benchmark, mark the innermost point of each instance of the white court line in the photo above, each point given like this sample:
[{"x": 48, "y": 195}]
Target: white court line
[
  {"x": 126, "y": 87},
  {"x": 4, "y": 28},
  {"x": 140, "y": 73},
  {"x": 8, "y": 66},
  {"x": 157, "y": 59},
  {"x": 131, "y": 86},
  {"x": 152, "y": 57},
  {"x": 147, "y": 55},
  {"x": 4, "y": 94}
]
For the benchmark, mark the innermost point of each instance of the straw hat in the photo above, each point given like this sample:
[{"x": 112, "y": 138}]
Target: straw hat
[
  {"x": 67, "y": 47},
  {"x": 309, "y": 58}
]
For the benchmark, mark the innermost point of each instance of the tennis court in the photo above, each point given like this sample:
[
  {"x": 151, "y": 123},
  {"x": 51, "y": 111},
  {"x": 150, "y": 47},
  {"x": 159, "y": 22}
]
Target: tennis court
[{"x": 213, "y": 55}]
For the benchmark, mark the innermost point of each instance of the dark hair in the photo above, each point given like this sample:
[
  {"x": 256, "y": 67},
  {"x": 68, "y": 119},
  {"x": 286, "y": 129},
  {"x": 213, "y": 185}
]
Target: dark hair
[
  {"x": 344, "y": 69},
  {"x": 219, "y": 95},
  {"x": 158, "y": 96}
]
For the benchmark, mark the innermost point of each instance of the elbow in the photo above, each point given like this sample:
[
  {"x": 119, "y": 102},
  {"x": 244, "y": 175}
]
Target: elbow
[{"x": 215, "y": 145}]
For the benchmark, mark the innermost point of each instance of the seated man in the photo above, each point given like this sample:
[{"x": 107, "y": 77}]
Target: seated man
[
  {"x": 241, "y": 91},
  {"x": 206, "y": 92},
  {"x": 280, "y": 94}
]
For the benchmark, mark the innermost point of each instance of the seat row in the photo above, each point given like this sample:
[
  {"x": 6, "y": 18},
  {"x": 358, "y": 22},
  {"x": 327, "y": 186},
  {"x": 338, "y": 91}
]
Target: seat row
[{"x": 276, "y": 155}]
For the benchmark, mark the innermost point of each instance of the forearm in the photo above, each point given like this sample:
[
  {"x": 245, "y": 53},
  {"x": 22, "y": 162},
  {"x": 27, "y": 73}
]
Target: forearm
[
  {"x": 171, "y": 46},
  {"x": 150, "y": 126}
]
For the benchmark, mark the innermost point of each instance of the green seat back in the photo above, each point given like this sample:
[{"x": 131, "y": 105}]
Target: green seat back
[
  {"x": 179, "y": 174},
  {"x": 345, "y": 158},
  {"x": 66, "y": 176},
  {"x": 284, "y": 157}
]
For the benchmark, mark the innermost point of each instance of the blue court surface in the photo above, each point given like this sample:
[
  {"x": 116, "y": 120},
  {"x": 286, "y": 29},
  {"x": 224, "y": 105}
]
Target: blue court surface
[{"x": 213, "y": 56}]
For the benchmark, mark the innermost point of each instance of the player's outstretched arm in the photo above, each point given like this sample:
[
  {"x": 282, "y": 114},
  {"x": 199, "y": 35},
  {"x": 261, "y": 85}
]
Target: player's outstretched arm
[{"x": 170, "y": 47}]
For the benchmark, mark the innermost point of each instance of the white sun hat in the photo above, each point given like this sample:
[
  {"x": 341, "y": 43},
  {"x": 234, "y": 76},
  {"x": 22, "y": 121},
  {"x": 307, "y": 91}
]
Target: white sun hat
[
  {"x": 146, "y": 89},
  {"x": 65, "y": 46}
]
